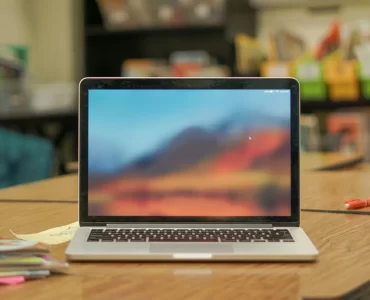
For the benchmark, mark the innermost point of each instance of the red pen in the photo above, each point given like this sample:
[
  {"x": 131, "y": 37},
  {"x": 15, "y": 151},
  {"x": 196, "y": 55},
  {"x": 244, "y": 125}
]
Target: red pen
[{"x": 356, "y": 203}]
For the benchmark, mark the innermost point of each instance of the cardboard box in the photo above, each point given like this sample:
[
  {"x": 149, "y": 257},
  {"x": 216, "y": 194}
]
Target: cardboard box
[{"x": 342, "y": 80}]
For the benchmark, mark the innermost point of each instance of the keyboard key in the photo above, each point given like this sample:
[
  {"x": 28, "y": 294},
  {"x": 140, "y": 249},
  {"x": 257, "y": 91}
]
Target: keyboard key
[
  {"x": 199, "y": 240},
  {"x": 93, "y": 239},
  {"x": 157, "y": 239},
  {"x": 191, "y": 235},
  {"x": 133, "y": 240},
  {"x": 95, "y": 235}
]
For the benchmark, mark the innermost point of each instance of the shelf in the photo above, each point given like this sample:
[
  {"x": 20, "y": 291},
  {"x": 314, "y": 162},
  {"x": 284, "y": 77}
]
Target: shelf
[
  {"x": 68, "y": 115},
  {"x": 98, "y": 30},
  {"x": 309, "y": 106}
]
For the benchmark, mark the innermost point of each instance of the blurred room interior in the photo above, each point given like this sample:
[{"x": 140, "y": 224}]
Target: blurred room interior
[{"x": 46, "y": 47}]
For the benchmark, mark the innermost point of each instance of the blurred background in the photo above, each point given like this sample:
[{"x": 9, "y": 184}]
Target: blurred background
[{"x": 46, "y": 47}]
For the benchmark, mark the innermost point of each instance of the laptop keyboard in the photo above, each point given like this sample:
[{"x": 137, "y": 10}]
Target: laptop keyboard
[{"x": 191, "y": 235}]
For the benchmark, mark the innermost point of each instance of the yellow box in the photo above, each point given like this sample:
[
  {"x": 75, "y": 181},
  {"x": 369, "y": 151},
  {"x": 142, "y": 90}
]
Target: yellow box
[
  {"x": 344, "y": 91},
  {"x": 343, "y": 72},
  {"x": 276, "y": 69},
  {"x": 342, "y": 80}
]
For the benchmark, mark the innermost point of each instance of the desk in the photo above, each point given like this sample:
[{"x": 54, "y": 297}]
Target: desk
[
  {"x": 343, "y": 241},
  {"x": 329, "y": 190},
  {"x": 62, "y": 188},
  {"x": 309, "y": 161},
  {"x": 329, "y": 161}
]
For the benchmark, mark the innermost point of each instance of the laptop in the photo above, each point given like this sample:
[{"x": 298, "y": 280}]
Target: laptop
[{"x": 195, "y": 169}]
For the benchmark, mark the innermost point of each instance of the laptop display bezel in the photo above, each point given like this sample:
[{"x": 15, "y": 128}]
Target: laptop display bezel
[{"x": 189, "y": 83}]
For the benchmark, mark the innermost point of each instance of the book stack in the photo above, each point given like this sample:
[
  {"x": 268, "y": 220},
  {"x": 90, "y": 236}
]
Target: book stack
[
  {"x": 25, "y": 260},
  {"x": 179, "y": 64}
]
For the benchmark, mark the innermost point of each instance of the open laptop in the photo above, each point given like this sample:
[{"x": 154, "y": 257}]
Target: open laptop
[{"x": 189, "y": 169}]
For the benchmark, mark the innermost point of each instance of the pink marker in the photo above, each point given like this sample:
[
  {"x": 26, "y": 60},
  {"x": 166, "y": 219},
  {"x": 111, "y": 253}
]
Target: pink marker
[{"x": 13, "y": 280}]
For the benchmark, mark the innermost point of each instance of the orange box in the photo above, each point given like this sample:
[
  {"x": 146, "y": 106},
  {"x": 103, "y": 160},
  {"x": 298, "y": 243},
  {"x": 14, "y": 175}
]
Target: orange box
[
  {"x": 342, "y": 79},
  {"x": 276, "y": 69}
]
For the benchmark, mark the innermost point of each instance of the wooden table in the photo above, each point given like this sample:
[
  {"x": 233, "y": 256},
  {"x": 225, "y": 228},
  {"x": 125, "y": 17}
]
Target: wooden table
[
  {"x": 59, "y": 189},
  {"x": 310, "y": 161},
  {"x": 343, "y": 241},
  {"x": 329, "y": 161}
]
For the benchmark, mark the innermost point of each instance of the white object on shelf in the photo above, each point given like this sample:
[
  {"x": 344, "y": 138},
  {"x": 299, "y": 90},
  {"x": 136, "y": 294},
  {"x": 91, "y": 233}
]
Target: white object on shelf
[
  {"x": 278, "y": 70},
  {"x": 165, "y": 12},
  {"x": 118, "y": 17},
  {"x": 202, "y": 11},
  {"x": 309, "y": 71},
  {"x": 56, "y": 96}
]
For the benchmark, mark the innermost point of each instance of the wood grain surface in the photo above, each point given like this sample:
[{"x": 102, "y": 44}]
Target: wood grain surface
[
  {"x": 330, "y": 189},
  {"x": 317, "y": 161},
  {"x": 63, "y": 189},
  {"x": 343, "y": 242}
]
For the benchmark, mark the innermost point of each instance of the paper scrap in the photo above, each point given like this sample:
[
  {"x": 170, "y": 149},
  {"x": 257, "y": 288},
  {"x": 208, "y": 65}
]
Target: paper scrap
[{"x": 53, "y": 236}]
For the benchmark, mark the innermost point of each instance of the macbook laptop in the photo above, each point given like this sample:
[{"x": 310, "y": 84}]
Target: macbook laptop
[{"x": 189, "y": 169}]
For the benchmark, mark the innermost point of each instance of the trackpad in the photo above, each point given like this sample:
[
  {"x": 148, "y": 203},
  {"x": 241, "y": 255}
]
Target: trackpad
[{"x": 191, "y": 248}]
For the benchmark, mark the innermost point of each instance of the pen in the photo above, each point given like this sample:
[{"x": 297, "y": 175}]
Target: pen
[
  {"x": 336, "y": 211},
  {"x": 356, "y": 203}
]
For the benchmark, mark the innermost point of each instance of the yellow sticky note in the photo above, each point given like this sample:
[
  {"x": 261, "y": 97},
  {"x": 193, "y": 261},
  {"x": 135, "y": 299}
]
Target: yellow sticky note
[{"x": 53, "y": 236}]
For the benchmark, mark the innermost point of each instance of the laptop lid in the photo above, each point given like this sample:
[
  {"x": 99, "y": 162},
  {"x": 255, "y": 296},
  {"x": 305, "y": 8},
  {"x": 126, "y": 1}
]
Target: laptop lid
[{"x": 210, "y": 150}]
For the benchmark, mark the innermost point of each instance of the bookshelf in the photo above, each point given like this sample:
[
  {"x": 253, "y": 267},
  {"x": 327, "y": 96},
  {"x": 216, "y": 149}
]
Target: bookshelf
[
  {"x": 308, "y": 106},
  {"x": 100, "y": 30},
  {"x": 105, "y": 50}
]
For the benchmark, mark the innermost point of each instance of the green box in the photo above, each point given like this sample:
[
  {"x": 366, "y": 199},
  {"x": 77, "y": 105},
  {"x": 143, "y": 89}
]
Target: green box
[
  {"x": 365, "y": 89},
  {"x": 313, "y": 91},
  {"x": 309, "y": 72},
  {"x": 364, "y": 75}
]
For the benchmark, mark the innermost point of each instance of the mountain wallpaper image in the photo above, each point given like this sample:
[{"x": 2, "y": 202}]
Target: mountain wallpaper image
[{"x": 189, "y": 153}]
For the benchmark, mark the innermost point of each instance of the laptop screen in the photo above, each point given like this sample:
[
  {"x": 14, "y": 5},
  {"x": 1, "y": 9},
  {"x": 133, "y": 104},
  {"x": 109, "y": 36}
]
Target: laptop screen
[{"x": 189, "y": 153}]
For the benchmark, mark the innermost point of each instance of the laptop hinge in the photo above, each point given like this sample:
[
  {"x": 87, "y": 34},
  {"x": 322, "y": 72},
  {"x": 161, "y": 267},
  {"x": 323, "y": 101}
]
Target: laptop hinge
[{"x": 193, "y": 225}]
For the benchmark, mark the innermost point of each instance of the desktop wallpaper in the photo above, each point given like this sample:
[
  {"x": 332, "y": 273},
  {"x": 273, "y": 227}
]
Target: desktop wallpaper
[{"x": 216, "y": 153}]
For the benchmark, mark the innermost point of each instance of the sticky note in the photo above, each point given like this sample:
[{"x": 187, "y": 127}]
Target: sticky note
[{"x": 53, "y": 236}]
